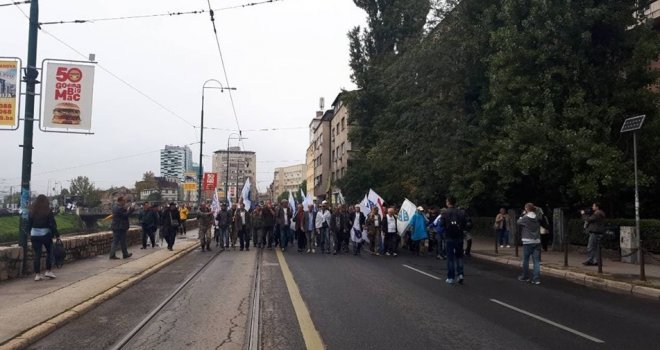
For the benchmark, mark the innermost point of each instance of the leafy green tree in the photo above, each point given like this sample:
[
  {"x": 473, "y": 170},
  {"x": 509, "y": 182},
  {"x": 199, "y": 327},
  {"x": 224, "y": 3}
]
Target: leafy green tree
[{"x": 81, "y": 186}]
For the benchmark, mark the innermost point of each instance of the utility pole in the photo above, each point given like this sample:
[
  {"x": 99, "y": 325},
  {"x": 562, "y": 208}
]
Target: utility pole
[{"x": 30, "y": 78}]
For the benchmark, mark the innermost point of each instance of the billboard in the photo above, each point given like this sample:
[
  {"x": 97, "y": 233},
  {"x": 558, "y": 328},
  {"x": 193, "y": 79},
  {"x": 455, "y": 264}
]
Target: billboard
[
  {"x": 67, "y": 96},
  {"x": 190, "y": 186},
  {"x": 9, "y": 92},
  {"x": 210, "y": 181}
]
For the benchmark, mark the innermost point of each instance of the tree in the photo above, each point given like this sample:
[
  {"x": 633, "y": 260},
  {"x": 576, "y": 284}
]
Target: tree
[
  {"x": 148, "y": 182},
  {"x": 82, "y": 187}
]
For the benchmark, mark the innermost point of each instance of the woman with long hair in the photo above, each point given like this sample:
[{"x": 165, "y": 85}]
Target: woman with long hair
[{"x": 42, "y": 228}]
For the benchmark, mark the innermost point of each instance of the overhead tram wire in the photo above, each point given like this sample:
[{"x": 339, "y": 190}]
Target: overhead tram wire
[
  {"x": 15, "y": 3},
  {"x": 224, "y": 68},
  {"x": 111, "y": 73},
  {"x": 154, "y": 15}
]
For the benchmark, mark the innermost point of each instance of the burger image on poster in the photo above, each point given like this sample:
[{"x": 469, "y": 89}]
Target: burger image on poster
[{"x": 66, "y": 113}]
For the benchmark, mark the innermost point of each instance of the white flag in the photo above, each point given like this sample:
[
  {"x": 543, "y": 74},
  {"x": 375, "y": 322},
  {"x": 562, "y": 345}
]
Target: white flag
[
  {"x": 364, "y": 206},
  {"x": 375, "y": 200},
  {"x": 247, "y": 187},
  {"x": 406, "y": 213},
  {"x": 215, "y": 204}
]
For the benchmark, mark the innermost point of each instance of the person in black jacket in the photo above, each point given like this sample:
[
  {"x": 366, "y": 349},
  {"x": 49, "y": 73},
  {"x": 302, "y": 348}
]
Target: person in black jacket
[
  {"x": 42, "y": 228},
  {"x": 357, "y": 222},
  {"x": 453, "y": 221},
  {"x": 149, "y": 221},
  {"x": 120, "y": 227},
  {"x": 170, "y": 222}
]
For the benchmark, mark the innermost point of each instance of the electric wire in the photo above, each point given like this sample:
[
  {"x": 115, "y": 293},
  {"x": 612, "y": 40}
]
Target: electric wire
[
  {"x": 224, "y": 67},
  {"x": 155, "y": 15},
  {"x": 15, "y": 3},
  {"x": 258, "y": 130}
]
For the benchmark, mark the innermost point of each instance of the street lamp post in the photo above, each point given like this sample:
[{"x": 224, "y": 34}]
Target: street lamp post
[{"x": 201, "y": 136}]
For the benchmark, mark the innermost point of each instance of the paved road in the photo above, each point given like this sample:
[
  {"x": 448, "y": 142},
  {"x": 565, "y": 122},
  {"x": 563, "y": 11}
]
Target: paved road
[
  {"x": 377, "y": 303},
  {"x": 365, "y": 303}
]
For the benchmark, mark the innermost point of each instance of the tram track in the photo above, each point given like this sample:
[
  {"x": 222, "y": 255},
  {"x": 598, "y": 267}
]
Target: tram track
[{"x": 252, "y": 338}]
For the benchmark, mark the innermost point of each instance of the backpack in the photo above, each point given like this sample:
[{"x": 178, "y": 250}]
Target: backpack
[{"x": 454, "y": 224}]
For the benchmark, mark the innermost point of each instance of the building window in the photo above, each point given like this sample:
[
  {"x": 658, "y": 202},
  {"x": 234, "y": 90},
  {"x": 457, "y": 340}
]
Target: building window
[
  {"x": 342, "y": 148},
  {"x": 343, "y": 123}
]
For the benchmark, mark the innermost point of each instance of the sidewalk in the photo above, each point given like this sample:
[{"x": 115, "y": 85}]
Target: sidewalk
[
  {"x": 30, "y": 310},
  {"x": 617, "y": 276}
]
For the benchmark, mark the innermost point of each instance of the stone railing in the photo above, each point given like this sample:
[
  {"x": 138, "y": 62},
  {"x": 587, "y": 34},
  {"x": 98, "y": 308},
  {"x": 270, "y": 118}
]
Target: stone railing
[{"x": 77, "y": 247}]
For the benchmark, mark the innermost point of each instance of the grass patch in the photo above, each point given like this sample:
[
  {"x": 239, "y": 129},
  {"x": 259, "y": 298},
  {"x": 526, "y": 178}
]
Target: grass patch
[{"x": 66, "y": 223}]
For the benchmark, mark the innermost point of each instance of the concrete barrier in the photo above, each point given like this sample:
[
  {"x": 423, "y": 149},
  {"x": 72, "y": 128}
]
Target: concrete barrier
[{"x": 77, "y": 247}]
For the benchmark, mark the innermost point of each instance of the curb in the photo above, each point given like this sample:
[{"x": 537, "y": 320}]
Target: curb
[
  {"x": 600, "y": 282},
  {"x": 41, "y": 330}
]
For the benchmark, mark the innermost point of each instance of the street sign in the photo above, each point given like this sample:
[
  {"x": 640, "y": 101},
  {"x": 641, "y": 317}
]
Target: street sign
[{"x": 632, "y": 124}]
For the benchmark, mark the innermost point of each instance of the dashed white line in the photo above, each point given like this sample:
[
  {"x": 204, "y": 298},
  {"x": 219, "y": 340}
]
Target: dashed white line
[
  {"x": 423, "y": 273},
  {"x": 571, "y": 330}
]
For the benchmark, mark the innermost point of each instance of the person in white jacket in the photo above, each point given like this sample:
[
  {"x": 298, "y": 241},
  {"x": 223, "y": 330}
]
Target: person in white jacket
[{"x": 323, "y": 220}]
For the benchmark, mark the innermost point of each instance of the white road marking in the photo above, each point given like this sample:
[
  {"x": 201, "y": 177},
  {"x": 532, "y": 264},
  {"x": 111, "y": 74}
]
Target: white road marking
[
  {"x": 422, "y": 272},
  {"x": 578, "y": 333}
]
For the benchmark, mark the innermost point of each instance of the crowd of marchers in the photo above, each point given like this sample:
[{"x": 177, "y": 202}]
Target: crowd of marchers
[{"x": 320, "y": 229}]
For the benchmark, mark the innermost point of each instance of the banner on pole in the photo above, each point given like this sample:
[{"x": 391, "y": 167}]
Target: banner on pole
[
  {"x": 210, "y": 181},
  {"x": 67, "y": 96},
  {"x": 9, "y": 92}
]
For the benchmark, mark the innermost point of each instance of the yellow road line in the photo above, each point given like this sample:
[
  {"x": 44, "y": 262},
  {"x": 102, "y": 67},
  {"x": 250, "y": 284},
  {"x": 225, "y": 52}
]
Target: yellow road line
[{"x": 310, "y": 334}]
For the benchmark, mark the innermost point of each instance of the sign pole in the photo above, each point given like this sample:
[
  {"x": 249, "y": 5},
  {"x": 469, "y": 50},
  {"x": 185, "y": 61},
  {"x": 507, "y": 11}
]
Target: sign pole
[
  {"x": 642, "y": 272},
  {"x": 31, "y": 74}
]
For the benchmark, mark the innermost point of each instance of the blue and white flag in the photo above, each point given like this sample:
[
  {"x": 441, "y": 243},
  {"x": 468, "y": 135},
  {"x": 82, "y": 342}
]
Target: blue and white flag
[
  {"x": 408, "y": 209},
  {"x": 292, "y": 203},
  {"x": 376, "y": 200},
  {"x": 228, "y": 200},
  {"x": 245, "y": 194},
  {"x": 365, "y": 208},
  {"x": 215, "y": 204},
  {"x": 340, "y": 198}
]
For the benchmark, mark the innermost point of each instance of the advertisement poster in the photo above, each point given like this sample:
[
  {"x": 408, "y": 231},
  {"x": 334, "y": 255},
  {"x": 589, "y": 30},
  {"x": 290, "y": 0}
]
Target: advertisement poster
[
  {"x": 67, "y": 96},
  {"x": 190, "y": 186},
  {"x": 210, "y": 181},
  {"x": 9, "y": 93}
]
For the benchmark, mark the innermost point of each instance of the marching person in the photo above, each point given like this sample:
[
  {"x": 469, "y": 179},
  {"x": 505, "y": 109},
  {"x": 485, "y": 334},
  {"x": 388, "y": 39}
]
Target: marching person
[
  {"x": 357, "y": 222},
  {"x": 42, "y": 228},
  {"x": 258, "y": 226},
  {"x": 224, "y": 221},
  {"x": 418, "y": 232},
  {"x": 374, "y": 231},
  {"x": 299, "y": 219},
  {"x": 389, "y": 228},
  {"x": 120, "y": 227},
  {"x": 310, "y": 228},
  {"x": 453, "y": 221},
  {"x": 242, "y": 227},
  {"x": 284, "y": 217},
  {"x": 170, "y": 223},
  {"x": 323, "y": 222},
  {"x": 268, "y": 214},
  {"x": 531, "y": 239},
  {"x": 343, "y": 229},
  {"x": 233, "y": 234},
  {"x": 149, "y": 221},
  {"x": 205, "y": 220},
  {"x": 183, "y": 215}
]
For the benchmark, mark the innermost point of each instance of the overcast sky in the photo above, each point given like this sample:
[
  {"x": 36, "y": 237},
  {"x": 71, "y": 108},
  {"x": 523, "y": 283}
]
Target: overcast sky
[{"x": 280, "y": 56}]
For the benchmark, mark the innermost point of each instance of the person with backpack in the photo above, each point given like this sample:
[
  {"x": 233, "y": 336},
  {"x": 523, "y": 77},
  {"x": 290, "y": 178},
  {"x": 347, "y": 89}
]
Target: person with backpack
[
  {"x": 531, "y": 240},
  {"x": 453, "y": 221},
  {"x": 42, "y": 228}
]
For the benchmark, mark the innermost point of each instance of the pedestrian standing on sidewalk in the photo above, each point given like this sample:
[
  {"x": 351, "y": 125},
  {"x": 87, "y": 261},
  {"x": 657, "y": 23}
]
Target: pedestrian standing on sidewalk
[
  {"x": 594, "y": 223},
  {"x": 374, "y": 232},
  {"x": 205, "y": 220},
  {"x": 170, "y": 223},
  {"x": 310, "y": 228},
  {"x": 453, "y": 221},
  {"x": 357, "y": 222},
  {"x": 224, "y": 220},
  {"x": 323, "y": 223},
  {"x": 120, "y": 227},
  {"x": 531, "y": 239},
  {"x": 242, "y": 227},
  {"x": 149, "y": 221},
  {"x": 42, "y": 228},
  {"x": 389, "y": 228},
  {"x": 183, "y": 215},
  {"x": 501, "y": 229}
]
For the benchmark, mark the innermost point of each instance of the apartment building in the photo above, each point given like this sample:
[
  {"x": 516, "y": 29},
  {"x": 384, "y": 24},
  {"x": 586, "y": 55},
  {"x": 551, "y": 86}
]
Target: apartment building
[
  {"x": 289, "y": 178},
  {"x": 234, "y": 166}
]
